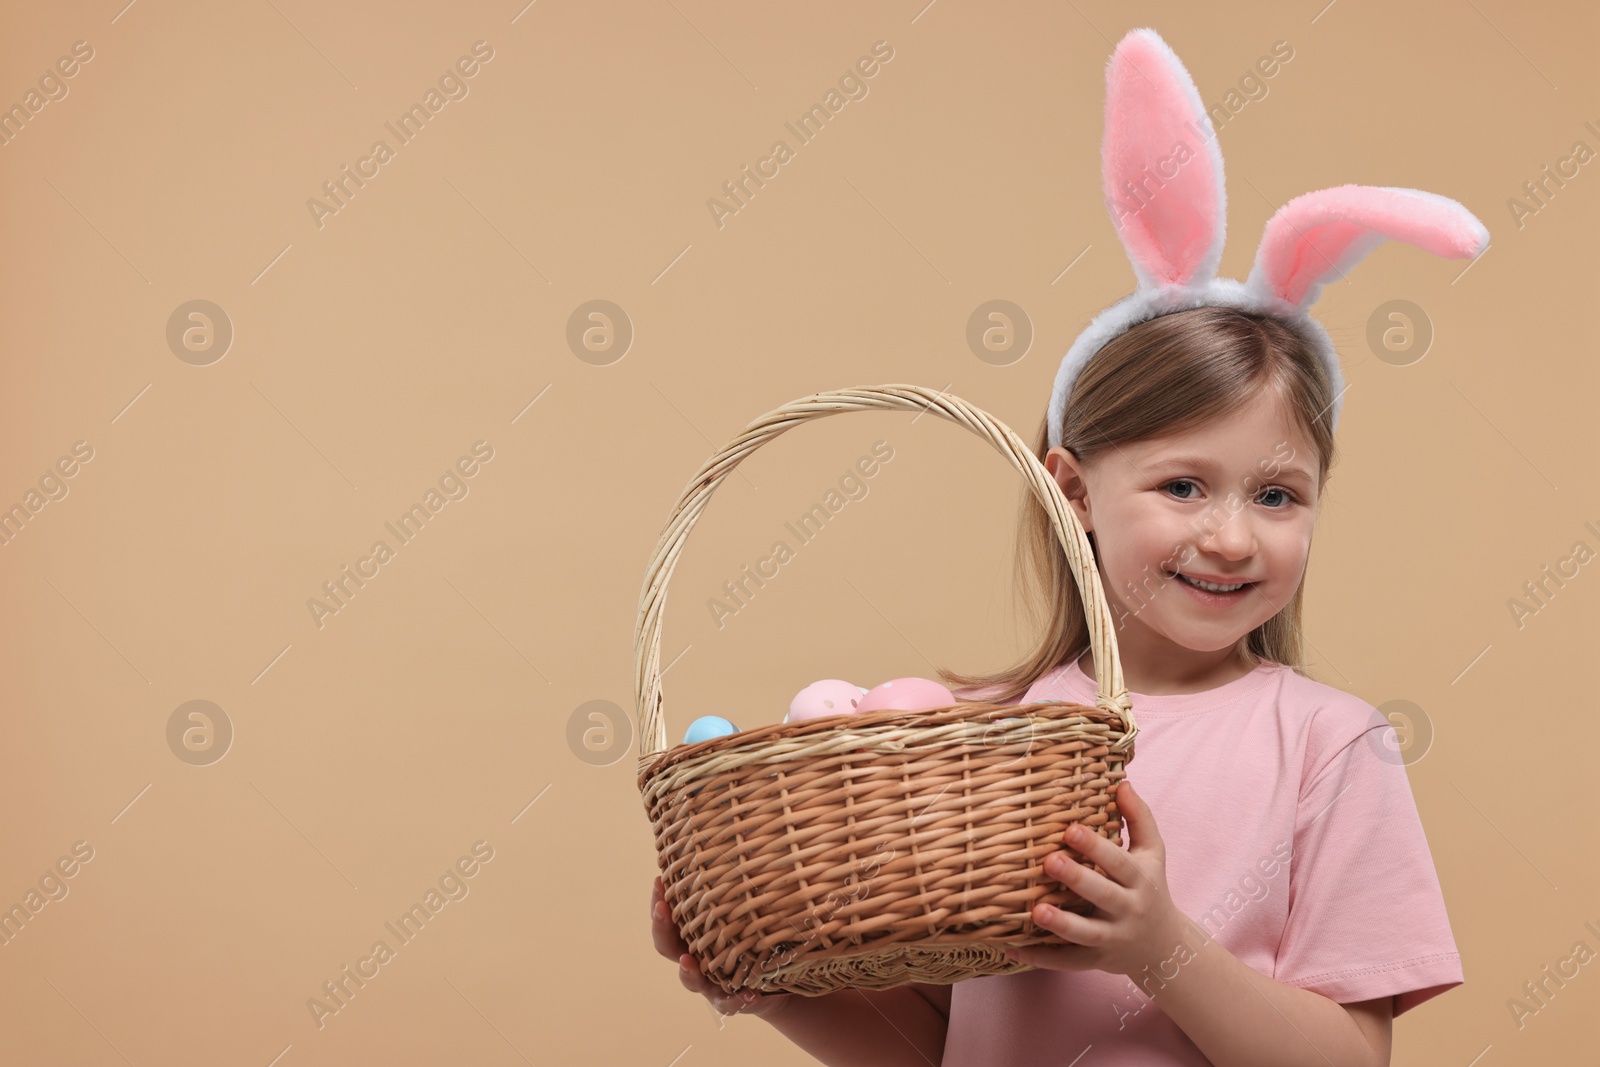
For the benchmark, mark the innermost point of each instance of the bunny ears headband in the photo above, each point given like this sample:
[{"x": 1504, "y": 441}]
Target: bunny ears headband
[{"x": 1162, "y": 175}]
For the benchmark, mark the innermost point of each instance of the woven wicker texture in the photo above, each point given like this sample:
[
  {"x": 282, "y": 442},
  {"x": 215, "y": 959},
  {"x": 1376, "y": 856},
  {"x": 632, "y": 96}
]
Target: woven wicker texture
[{"x": 871, "y": 850}]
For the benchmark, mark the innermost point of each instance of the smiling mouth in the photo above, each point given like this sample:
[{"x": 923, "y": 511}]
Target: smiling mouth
[{"x": 1212, "y": 587}]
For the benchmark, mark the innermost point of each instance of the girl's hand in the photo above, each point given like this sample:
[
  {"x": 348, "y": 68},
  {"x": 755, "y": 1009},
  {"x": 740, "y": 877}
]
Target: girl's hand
[
  {"x": 670, "y": 945},
  {"x": 1135, "y": 923}
]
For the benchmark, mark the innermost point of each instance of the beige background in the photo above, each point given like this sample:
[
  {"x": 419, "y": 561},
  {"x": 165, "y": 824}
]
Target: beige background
[{"x": 432, "y": 711}]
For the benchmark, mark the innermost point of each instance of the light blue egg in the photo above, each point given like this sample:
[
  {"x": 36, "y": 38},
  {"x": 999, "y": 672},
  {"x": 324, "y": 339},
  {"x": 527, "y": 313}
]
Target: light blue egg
[{"x": 708, "y": 726}]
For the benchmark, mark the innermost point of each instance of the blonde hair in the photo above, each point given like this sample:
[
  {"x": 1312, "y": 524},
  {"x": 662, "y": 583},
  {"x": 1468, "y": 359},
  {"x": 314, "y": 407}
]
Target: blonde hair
[{"x": 1167, "y": 375}]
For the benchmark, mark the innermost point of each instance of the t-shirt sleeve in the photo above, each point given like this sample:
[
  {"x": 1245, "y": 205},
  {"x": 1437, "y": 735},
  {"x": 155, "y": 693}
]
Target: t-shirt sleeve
[{"x": 1366, "y": 914}]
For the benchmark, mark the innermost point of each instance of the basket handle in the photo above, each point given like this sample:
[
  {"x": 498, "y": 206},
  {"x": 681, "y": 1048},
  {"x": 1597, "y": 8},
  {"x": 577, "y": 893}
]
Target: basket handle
[{"x": 1111, "y": 693}]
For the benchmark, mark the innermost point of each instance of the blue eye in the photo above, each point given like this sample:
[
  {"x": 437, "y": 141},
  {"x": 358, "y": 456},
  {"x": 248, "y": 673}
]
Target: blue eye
[
  {"x": 1180, "y": 481},
  {"x": 1279, "y": 489}
]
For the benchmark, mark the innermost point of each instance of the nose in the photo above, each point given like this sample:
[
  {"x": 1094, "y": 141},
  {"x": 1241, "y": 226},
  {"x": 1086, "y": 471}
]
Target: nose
[{"x": 1230, "y": 536}]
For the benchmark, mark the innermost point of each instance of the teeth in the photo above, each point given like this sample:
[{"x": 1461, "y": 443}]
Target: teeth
[{"x": 1212, "y": 587}]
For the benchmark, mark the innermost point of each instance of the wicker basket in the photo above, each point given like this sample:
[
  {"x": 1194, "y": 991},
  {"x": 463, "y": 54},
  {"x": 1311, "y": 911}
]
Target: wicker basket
[{"x": 870, "y": 850}]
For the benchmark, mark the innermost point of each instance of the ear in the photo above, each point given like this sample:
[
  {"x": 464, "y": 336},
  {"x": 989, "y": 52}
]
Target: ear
[
  {"x": 1317, "y": 237},
  {"x": 1161, "y": 169},
  {"x": 1066, "y": 469}
]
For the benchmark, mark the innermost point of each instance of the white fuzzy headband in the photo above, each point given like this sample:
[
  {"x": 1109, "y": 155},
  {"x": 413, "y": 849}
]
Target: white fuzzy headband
[{"x": 1162, "y": 174}]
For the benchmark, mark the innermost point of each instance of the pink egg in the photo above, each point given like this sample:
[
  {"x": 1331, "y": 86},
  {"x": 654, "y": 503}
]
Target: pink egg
[
  {"x": 827, "y": 697},
  {"x": 907, "y": 694}
]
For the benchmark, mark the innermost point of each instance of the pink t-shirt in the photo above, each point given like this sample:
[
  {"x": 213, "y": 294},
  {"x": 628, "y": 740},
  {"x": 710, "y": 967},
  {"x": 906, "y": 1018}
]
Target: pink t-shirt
[{"x": 1292, "y": 839}]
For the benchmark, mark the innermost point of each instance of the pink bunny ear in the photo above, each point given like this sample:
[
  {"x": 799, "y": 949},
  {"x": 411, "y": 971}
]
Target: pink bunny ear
[
  {"x": 1161, "y": 168},
  {"x": 1318, "y": 236}
]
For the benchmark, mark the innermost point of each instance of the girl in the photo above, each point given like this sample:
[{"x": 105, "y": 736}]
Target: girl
[{"x": 1286, "y": 909}]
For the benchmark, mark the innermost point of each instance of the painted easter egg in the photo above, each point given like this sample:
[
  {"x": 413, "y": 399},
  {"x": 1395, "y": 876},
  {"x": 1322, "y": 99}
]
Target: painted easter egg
[
  {"x": 706, "y": 727},
  {"x": 827, "y": 697},
  {"x": 906, "y": 694}
]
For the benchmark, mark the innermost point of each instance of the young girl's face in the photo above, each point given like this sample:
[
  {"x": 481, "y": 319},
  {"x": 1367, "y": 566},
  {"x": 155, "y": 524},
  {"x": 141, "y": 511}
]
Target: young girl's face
[{"x": 1231, "y": 502}]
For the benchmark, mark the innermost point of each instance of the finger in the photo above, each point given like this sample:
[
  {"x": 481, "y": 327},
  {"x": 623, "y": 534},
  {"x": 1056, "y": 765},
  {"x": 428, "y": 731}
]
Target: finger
[
  {"x": 723, "y": 1002},
  {"x": 695, "y": 977},
  {"x": 1145, "y": 846},
  {"x": 1088, "y": 883},
  {"x": 665, "y": 933},
  {"x": 1063, "y": 958},
  {"x": 692, "y": 977},
  {"x": 1070, "y": 926},
  {"x": 765, "y": 1003},
  {"x": 747, "y": 1002},
  {"x": 1112, "y": 858},
  {"x": 1142, "y": 832}
]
